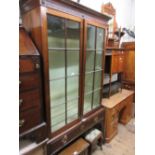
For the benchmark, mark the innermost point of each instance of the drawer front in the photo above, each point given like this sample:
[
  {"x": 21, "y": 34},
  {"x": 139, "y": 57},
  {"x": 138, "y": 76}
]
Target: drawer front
[
  {"x": 28, "y": 65},
  {"x": 29, "y": 81},
  {"x": 61, "y": 141},
  {"x": 29, "y": 119},
  {"x": 89, "y": 122},
  {"x": 29, "y": 99}
]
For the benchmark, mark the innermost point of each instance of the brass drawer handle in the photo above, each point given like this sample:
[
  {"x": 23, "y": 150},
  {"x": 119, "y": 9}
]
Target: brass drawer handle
[
  {"x": 65, "y": 138},
  {"x": 96, "y": 119},
  {"x": 37, "y": 66},
  {"x": 21, "y": 122},
  {"x": 20, "y": 82},
  {"x": 20, "y": 102}
]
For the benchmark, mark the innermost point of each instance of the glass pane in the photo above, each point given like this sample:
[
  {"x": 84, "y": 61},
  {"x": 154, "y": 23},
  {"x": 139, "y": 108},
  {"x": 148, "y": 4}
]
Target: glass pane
[
  {"x": 57, "y": 92},
  {"x": 88, "y": 82},
  {"x": 73, "y": 34},
  {"x": 58, "y": 117},
  {"x": 96, "y": 99},
  {"x": 87, "y": 102},
  {"x": 97, "y": 83},
  {"x": 91, "y": 37},
  {"x": 72, "y": 87},
  {"x": 90, "y": 60},
  {"x": 100, "y": 37},
  {"x": 99, "y": 58},
  {"x": 56, "y": 32},
  {"x": 72, "y": 110},
  {"x": 56, "y": 64},
  {"x": 72, "y": 63}
]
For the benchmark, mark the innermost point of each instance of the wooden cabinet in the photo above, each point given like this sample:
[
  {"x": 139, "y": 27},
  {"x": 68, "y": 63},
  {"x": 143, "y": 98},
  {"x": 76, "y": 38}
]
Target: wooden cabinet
[
  {"x": 114, "y": 68},
  {"x": 31, "y": 120},
  {"x": 117, "y": 109},
  {"x": 71, "y": 41}
]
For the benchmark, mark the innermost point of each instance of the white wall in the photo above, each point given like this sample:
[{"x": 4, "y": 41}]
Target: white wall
[{"x": 125, "y": 10}]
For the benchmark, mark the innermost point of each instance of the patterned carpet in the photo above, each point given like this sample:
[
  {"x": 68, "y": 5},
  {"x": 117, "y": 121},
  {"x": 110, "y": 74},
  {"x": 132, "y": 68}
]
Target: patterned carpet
[{"x": 122, "y": 144}]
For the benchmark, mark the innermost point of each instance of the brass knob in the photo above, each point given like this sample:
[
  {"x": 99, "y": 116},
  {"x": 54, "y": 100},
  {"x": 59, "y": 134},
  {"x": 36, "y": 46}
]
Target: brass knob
[
  {"x": 21, "y": 122},
  {"x": 75, "y": 153},
  {"x": 96, "y": 119},
  {"x": 20, "y": 82},
  {"x": 20, "y": 102},
  {"x": 64, "y": 140},
  {"x": 37, "y": 66}
]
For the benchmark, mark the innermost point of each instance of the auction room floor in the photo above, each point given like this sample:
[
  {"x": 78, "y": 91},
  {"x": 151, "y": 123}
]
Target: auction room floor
[{"x": 122, "y": 144}]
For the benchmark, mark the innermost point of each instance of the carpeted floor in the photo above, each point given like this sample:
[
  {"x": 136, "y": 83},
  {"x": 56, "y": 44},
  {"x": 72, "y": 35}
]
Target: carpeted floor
[{"x": 122, "y": 144}]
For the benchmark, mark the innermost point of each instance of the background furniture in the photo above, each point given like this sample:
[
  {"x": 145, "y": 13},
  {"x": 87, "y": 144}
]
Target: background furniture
[
  {"x": 31, "y": 118},
  {"x": 129, "y": 65},
  {"x": 79, "y": 147},
  {"x": 94, "y": 138},
  {"x": 71, "y": 41},
  {"x": 114, "y": 67},
  {"x": 117, "y": 109}
]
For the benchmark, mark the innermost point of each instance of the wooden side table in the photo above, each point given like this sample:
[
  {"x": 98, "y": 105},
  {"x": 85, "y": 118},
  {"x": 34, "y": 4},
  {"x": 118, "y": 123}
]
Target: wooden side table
[{"x": 118, "y": 108}]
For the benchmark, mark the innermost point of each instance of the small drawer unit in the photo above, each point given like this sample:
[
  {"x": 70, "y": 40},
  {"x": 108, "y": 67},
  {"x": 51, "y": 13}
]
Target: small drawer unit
[
  {"x": 30, "y": 88},
  {"x": 79, "y": 147}
]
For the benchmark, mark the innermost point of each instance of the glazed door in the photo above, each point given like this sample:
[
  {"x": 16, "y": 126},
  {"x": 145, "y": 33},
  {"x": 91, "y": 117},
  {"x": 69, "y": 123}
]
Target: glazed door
[
  {"x": 93, "y": 69},
  {"x": 64, "y": 50}
]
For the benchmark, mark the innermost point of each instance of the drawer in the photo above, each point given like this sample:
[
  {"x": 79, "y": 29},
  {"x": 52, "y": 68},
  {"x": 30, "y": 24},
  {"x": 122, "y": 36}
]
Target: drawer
[
  {"x": 29, "y": 81},
  {"x": 28, "y": 65},
  {"x": 59, "y": 142},
  {"x": 29, "y": 119},
  {"x": 89, "y": 122},
  {"x": 29, "y": 99}
]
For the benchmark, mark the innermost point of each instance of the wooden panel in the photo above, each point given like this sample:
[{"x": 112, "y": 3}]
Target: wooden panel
[
  {"x": 121, "y": 63},
  {"x": 29, "y": 81},
  {"x": 26, "y": 46},
  {"x": 129, "y": 66},
  {"x": 29, "y": 119},
  {"x": 29, "y": 99},
  {"x": 114, "y": 66}
]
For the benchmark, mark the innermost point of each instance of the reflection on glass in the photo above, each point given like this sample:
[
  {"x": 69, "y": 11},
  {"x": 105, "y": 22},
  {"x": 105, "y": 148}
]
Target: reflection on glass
[
  {"x": 57, "y": 91},
  {"x": 100, "y": 37},
  {"x": 56, "y": 32},
  {"x": 99, "y": 57},
  {"x": 88, "y": 82},
  {"x": 56, "y": 64},
  {"x": 87, "y": 103},
  {"x": 91, "y": 37},
  {"x": 57, "y": 117},
  {"x": 72, "y": 87},
  {"x": 97, "y": 81},
  {"x": 96, "y": 99},
  {"x": 72, "y": 63},
  {"x": 72, "y": 110},
  {"x": 90, "y": 60},
  {"x": 73, "y": 34}
]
